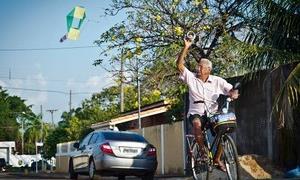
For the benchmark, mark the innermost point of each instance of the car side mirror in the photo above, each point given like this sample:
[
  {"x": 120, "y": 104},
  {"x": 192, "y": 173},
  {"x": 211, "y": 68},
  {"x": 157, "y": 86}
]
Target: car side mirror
[{"x": 76, "y": 145}]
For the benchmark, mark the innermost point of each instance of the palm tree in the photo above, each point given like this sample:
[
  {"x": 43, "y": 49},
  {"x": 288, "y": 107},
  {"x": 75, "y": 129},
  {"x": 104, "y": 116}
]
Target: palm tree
[
  {"x": 276, "y": 38},
  {"x": 34, "y": 132}
]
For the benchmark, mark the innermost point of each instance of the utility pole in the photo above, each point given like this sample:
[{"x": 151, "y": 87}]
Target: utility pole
[
  {"x": 70, "y": 101},
  {"x": 41, "y": 138},
  {"x": 139, "y": 94},
  {"x": 9, "y": 74},
  {"x": 52, "y": 111},
  {"x": 42, "y": 126},
  {"x": 22, "y": 119},
  {"x": 122, "y": 85},
  {"x": 139, "y": 102}
]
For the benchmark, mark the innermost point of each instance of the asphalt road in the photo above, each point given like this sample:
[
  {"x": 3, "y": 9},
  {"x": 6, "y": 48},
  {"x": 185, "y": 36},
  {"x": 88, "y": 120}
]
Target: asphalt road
[
  {"x": 216, "y": 175},
  {"x": 14, "y": 175},
  {"x": 10, "y": 175}
]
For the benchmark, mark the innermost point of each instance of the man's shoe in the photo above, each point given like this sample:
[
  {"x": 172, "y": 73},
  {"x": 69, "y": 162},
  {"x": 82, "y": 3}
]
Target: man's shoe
[{"x": 220, "y": 165}]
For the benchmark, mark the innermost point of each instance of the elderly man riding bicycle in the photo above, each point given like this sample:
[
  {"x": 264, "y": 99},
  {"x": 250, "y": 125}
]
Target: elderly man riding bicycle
[{"x": 204, "y": 90}]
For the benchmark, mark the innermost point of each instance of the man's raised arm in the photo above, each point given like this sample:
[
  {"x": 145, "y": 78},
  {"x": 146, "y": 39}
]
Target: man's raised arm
[{"x": 183, "y": 53}]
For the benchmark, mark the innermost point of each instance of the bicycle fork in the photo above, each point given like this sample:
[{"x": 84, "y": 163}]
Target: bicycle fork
[{"x": 190, "y": 151}]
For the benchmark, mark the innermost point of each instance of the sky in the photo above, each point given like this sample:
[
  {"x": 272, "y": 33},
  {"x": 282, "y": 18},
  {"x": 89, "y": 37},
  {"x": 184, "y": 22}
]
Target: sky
[{"x": 28, "y": 25}]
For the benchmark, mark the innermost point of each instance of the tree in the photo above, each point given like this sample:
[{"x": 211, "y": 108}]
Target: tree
[
  {"x": 11, "y": 108},
  {"x": 58, "y": 135},
  {"x": 107, "y": 102},
  {"x": 152, "y": 25},
  {"x": 275, "y": 41},
  {"x": 76, "y": 128},
  {"x": 34, "y": 132},
  {"x": 154, "y": 30}
]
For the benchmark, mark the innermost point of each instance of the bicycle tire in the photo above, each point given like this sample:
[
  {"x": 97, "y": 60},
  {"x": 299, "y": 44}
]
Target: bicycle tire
[
  {"x": 231, "y": 158},
  {"x": 199, "y": 168}
]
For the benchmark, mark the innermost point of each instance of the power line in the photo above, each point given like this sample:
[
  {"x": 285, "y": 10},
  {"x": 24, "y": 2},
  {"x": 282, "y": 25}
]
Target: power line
[
  {"x": 48, "y": 80},
  {"x": 46, "y": 49},
  {"x": 52, "y": 111},
  {"x": 38, "y": 90},
  {"x": 45, "y": 90}
]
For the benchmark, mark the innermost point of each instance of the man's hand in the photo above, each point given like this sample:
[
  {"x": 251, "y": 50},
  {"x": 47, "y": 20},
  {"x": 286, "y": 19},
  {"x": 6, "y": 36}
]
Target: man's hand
[
  {"x": 234, "y": 93},
  {"x": 187, "y": 43}
]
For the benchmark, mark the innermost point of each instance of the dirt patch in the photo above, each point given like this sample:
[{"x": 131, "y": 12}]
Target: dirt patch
[{"x": 258, "y": 167}]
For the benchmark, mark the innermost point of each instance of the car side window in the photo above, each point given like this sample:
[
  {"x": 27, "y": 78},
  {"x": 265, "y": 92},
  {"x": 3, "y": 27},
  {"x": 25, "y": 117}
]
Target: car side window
[
  {"x": 100, "y": 138},
  {"x": 93, "y": 139},
  {"x": 85, "y": 141}
]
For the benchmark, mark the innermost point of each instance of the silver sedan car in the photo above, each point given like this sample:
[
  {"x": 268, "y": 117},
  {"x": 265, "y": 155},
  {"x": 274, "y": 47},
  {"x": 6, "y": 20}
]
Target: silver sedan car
[{"x": 113, "y": 153}]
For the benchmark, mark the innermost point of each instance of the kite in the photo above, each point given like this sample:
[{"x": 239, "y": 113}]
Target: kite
[{"x": 74, "y": 22}]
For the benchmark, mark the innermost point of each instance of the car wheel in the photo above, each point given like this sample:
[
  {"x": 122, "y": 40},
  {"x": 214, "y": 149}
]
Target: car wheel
[
  {"x": 72, "y": 173},
  {"x": 149, "y": 176},
  {"x": 92, "y": 169}
]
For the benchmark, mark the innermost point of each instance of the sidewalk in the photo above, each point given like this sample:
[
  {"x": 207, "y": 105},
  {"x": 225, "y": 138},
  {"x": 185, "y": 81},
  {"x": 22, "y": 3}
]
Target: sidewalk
[{"x": 33, "y": 175}]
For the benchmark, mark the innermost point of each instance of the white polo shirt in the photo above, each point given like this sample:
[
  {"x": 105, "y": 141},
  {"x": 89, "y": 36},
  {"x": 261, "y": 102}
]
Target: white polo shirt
[{"x": 208, "y": 92}]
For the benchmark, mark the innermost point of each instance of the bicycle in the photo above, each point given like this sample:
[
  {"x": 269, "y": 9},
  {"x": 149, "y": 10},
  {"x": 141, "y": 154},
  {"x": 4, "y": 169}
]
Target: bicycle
[{"x": 202, "y": 165}]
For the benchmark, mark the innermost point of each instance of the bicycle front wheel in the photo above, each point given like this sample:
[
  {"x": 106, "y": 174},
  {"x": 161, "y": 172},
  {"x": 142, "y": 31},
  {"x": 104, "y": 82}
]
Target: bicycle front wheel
[
  {"x": 231, "y": 158},
  {"x": 199, "y": 163}
]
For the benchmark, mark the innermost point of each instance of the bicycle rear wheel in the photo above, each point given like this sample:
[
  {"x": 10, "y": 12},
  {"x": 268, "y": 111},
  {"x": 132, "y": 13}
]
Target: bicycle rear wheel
[
  {"x": 231, "y": 158},
  {"x": 199, "y": 163}
]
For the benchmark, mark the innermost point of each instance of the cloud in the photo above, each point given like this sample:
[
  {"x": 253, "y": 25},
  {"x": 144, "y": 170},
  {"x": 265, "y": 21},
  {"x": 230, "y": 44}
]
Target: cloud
[
  {"x": 71, "y": 83},
  {"x": 94, "y": 81},
  {"x": 84, "y": 89},
  {"x": 16, "y": 83},
  {"x": 36, "y": 81},
  {"x": 37, "y": 99},
  {"x": 37, "y": 66},
  {"x": 2, "y": 83},
  {"x": 40, "y": 79}
]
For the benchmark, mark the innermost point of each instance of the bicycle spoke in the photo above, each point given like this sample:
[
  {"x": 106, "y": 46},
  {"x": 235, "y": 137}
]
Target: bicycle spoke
[
  {"x": 230, "y": 158},
  {"x": 199, "y": 165}
]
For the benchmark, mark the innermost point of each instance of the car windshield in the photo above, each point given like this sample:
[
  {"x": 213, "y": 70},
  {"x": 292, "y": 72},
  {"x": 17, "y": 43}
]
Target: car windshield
[{"x": 123, "y": 137}]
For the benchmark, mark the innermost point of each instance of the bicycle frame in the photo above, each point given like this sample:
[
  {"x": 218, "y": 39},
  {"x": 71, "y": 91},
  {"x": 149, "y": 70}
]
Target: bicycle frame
[
  {"x": 209, "y": 145},
  {"x": 212, "y": 145},
  {"x": 196, "y": 160}
]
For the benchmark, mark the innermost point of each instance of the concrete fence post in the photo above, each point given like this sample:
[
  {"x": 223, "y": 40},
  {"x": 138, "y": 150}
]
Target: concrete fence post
[{"x": 162, "y": 149}]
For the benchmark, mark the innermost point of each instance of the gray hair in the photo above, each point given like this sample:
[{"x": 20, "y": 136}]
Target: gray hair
[{"x": 206, "y": 62}]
